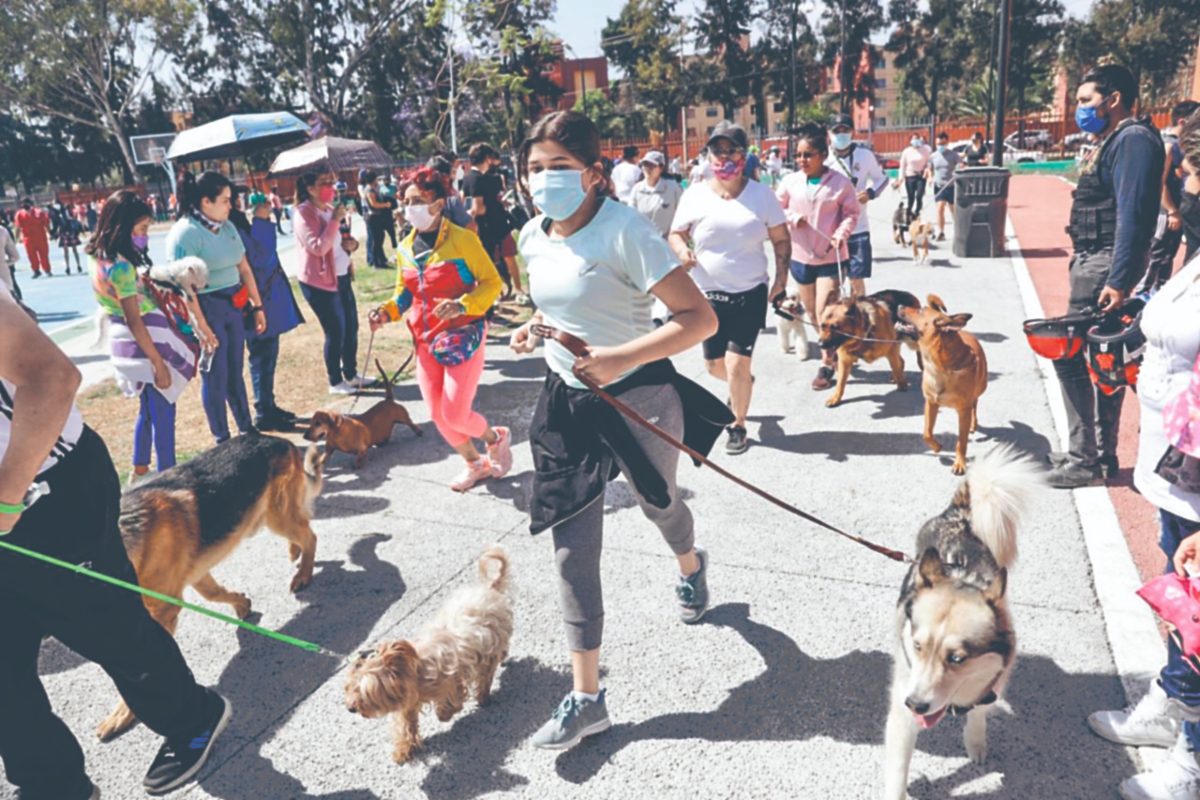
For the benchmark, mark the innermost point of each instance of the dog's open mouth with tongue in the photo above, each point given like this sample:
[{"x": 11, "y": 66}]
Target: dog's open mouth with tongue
[{"x": 927, "y": 721}]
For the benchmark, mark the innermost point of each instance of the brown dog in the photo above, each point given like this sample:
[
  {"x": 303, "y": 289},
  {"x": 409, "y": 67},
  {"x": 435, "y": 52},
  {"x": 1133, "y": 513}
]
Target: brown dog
[
  {"x": 865, "y": 327},
  {"x": 356, "y": 433},
  {"x": 920, "y": 232},
  {"x": 955, "y": 372},
  {"x": 182, "y": 523}
]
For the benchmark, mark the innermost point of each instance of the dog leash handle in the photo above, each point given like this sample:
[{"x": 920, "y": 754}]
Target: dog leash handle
[{"x": 579, "y": 348}]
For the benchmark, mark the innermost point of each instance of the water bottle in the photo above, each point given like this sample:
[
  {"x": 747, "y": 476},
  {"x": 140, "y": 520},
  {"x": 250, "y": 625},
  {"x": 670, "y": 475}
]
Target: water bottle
[{"x": 206, "y": 360}]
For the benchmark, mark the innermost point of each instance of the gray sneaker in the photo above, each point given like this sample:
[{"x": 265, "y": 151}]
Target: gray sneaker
[
  {"x": 572, "y": 720},
  {"x": 693, "y": 591},
  {"x": 1056, "y": 458},
  {"x": 1075, "y": 476}
]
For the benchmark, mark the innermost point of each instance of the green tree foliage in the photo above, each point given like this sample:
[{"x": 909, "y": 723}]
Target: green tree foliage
[
  {"x": 849, "y": 24},
  {"x": 597, "y": 105},
  {"x": 88, "y": 62},
  {"x": 721, "y": 27},
  {"x": 1153, "y": 38},
  {"x": 930, "y": 47},
  {"x": 773, "y": 52}
]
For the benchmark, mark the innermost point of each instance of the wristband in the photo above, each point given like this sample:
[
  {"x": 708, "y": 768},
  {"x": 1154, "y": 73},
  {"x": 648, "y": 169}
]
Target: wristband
[{"x": 12, "y": 508}]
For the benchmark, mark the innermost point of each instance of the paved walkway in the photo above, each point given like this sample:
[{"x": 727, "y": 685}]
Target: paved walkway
[{"x": 782, "y": 693}]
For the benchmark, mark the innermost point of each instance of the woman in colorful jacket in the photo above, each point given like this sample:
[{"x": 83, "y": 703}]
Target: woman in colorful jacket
[{"x": 446, "y": 284}]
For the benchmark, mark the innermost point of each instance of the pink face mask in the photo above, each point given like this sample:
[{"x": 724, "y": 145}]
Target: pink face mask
[
  {"x": 326, "y": 194},
  {"x": 729, "y": 168}
]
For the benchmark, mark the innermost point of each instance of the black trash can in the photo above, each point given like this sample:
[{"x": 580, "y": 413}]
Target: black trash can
[{"x": 980, "y": 209}]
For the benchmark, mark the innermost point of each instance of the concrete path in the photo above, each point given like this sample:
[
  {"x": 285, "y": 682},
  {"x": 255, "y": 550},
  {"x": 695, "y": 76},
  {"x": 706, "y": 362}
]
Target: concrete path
[{"x": 782, "y": 693}]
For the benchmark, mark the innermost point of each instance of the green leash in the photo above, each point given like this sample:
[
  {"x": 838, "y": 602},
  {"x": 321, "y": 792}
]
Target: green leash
[{"x": 279, "y": 637}]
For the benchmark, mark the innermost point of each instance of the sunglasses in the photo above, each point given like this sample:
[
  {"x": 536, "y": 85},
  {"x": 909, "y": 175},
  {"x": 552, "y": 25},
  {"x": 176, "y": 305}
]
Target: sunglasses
[{"x": 723, "y": 153}]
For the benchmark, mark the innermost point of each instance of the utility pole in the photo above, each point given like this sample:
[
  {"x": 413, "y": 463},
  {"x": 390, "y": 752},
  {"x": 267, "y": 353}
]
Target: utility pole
[
  {"x": 792, "y": 105},
  {"x": 842, "y": 54},
  {"x": 1002, "y": 48},
  {"x": 453, "y": 125}
]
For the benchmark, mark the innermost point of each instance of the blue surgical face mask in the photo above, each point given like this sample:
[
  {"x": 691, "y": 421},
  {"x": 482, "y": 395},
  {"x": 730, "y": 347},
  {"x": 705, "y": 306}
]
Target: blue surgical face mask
[
  {"x": 1088, "y": 120},
  {"x": 941, "y": 148},
  {"x": 558, "y": 193},
  {"x": 841, "y": 140},
  {"x": 915, "y": 142}
]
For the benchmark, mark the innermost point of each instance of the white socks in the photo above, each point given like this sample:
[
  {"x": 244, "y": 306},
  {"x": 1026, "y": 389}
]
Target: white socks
[{"x": 589, "y": 697}]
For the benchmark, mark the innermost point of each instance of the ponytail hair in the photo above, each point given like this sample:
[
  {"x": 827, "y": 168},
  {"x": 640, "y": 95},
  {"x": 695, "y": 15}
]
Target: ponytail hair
[
  {"x": 192, "y": 190},
  {"x": 304, "y": 185}
]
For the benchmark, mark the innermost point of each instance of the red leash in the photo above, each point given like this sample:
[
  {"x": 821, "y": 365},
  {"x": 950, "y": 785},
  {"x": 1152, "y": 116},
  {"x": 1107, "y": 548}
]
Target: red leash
[{"x": 579, "y": 348}]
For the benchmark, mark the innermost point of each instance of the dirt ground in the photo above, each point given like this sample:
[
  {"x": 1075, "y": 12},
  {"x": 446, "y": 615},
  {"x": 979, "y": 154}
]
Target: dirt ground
[{"x": 300, "y": 384}]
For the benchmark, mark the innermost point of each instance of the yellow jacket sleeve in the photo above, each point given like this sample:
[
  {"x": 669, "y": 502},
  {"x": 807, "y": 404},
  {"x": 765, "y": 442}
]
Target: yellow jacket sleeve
[{"x": 487, "y": 280}]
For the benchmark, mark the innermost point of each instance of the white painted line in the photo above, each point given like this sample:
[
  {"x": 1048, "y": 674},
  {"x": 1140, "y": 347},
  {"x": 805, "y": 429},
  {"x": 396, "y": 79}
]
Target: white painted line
[{"x": 1137, "y": 648}]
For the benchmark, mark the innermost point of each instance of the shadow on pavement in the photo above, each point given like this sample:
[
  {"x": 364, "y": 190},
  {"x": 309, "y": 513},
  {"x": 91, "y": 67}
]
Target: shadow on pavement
[
  {"x": 470, "y": 756},
  {"x": 266, "y": 680},
  {"x": 797, "y": 697},
  {"x": 56, "y": 657}
]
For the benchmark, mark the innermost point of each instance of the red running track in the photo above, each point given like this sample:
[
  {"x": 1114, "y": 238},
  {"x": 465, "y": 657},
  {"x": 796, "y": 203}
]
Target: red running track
[{"x": 1039, "y": 207}]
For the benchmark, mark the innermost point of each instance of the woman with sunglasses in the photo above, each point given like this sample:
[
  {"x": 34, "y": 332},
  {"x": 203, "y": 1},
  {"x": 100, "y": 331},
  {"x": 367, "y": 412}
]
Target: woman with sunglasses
[
  {"x": 720, "y": 232},
  {"x": 822, "y": 208}
]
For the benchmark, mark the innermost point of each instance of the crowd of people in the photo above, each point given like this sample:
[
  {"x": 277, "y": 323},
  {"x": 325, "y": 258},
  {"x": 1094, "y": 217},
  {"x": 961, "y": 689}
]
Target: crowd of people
[{"x": 619, "y": 255}]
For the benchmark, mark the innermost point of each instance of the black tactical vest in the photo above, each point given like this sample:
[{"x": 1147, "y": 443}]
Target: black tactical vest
[{"x": 1094, "y": 210}]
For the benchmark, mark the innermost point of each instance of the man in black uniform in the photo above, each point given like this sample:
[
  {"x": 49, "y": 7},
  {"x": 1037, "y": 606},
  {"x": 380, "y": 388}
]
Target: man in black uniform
[{"x": 1113, "y": 218}]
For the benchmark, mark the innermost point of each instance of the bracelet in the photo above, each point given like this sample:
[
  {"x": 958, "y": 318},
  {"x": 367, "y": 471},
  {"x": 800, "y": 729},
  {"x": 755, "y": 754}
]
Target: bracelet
[{"x": 12, "y": 508}]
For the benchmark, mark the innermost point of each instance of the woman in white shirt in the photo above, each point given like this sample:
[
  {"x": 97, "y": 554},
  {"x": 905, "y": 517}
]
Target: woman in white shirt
[
  {"x": 913, "y": 162},
  {"x": 720, "y": 233},
  {"x": 655, "y": 196}
]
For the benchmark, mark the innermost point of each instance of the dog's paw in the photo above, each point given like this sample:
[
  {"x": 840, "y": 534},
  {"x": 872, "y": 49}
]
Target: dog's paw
[
  {"x": 241, "y": 606},
  {"x": 833, "y": 402},
  {"x": 902, "y": 385},
  {"x": 933, "y": 443},
  {"x": 300, "y": 581},
  {"x": 119, "y": 721},
  {"x": 976, "y": 744},
  {"x": 959, "y": 467}
]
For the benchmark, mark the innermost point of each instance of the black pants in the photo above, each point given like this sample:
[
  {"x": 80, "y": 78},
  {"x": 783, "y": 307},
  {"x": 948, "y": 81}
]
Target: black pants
[
  {"x": 915, "y": 187},
  {"x": 1162, "y": 258},
  {"x": 1093, "y": 418},
  {"x": 338, "y": 314},
  {"x": 381, "y": 225},
  {"x": 278, "y": 213},
  {"x": 77, "y": 522}
]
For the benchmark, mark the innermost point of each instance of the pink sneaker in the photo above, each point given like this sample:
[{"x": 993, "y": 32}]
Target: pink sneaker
[
  {"x": 472, "y": 474},
  {"x": 500, "y": 453}
]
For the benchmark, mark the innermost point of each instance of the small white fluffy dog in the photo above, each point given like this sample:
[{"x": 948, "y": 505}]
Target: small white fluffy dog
[
  {"x": 796, "y": 326},
  {"x": 188, "y": 274},
  {"x": 454, "y": 655}
]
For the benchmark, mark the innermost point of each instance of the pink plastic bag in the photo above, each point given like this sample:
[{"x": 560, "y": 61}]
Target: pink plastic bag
[
  {"x": 1177, "y": 601},
  {"x": 1181, "y": 416}
]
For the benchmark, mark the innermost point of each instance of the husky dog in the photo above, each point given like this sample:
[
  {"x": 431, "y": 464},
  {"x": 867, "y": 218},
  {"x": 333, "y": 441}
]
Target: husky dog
[{"x": 955, "y": 643}]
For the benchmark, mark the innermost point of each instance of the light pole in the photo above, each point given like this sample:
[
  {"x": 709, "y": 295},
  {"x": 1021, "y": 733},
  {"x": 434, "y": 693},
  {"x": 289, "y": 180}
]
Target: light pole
[
  {"x": 1001, "y": 82},
  {"x": 453, "y": 125}
]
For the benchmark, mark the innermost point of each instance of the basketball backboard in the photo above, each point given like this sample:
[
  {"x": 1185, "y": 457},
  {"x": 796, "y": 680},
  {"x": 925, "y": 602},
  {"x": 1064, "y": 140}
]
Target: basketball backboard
[{"x": 146, "y": 148}]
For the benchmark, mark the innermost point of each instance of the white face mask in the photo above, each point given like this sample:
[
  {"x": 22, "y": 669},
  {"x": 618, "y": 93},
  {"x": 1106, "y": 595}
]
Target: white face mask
[{"x": 421, "y": 217}]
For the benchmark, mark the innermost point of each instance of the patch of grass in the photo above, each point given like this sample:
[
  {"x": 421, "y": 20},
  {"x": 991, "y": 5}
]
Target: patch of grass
[{"x": 300, "y": 382}]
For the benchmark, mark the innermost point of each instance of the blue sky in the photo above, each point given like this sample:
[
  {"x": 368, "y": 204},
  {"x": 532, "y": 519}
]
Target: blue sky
[{"x": 579, "y": 22}]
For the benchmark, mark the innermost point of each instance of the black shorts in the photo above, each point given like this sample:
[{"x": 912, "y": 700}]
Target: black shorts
[{"x": 740, "y": 316}]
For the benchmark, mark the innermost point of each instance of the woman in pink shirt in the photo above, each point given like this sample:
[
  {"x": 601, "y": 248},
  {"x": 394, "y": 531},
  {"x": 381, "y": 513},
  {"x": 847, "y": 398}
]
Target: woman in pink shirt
[
  {"x": 913, "y": 162},
  {"x": 822, "y": 210}
]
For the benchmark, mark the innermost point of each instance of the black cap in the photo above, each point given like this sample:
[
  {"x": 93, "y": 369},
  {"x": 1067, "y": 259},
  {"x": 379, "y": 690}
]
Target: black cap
[
  {"x": 838, "y": 120},
  {"x": 731, "y": 131}
]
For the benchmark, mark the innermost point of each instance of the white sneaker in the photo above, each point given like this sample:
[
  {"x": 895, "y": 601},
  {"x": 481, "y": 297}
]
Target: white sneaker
[
  {"x": 362, "y": 382},
  {"x": 1151, "y": 723},
  {"x": 343, "y": 388},
  {"x": 1176, "y": 778},
  {"x": 500, "y": 453},
  {"x": 472, "y": 474}
]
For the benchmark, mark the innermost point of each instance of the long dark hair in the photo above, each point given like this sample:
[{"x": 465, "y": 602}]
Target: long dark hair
[
  {"x": 575, "y": 132},
  {"x": 112, "y": 238},
  {"x": 304, "y": 186},
  {"x": 207, "y": 187}
]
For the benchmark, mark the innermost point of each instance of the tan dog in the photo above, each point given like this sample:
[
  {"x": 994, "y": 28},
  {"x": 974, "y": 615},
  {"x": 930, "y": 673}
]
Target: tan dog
[
  {"x": 954, "y": 375},
  {"x": 455, "y": 653},
  {"x": 864, "y": 327},
  {"x": 356, "y": 433},
  {"x": 182, "y": 523},
  {"x": 921, "y": 232}
]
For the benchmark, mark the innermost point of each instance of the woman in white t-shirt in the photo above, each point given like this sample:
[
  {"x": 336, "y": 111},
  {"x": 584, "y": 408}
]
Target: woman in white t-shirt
[
  {"x": 720, "y": 232},
  {"x": 594, "y": 267}
]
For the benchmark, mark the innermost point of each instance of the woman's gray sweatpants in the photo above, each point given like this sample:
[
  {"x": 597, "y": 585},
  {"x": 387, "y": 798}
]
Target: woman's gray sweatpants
[{"x": 578, "y": 541}]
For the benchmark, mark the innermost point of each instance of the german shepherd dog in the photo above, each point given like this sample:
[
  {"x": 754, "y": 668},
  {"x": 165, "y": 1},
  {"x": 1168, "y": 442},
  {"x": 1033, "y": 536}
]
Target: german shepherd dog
[
  {"x": 955, "y": 644},
  {"x": 865, "y": 327},
  {"x": 182, "y": 523}
]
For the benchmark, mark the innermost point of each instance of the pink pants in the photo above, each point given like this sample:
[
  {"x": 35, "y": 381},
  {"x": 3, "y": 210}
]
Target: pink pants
[{"x": 449, "y": 392}]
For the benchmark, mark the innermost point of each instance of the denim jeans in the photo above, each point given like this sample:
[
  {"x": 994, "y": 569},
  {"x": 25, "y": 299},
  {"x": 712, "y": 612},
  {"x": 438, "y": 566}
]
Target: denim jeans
[
  {"x": 264, "y": 354},
  {"x": 1178, "y": 679},
  {"x": 341, "y": 333},
  {"x": 223, "y": 383},
  {"x": 155, "y": 425}
]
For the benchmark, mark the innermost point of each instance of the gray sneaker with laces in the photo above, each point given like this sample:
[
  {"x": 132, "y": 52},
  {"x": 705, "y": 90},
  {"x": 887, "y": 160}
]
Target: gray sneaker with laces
[
  {"x": 573, "y": 720},
  {"x": 692, "y": 591}
]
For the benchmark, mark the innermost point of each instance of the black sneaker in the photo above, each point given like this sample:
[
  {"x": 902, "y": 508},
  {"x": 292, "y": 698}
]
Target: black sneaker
[
  {"x": 736, "y": 443},
  {"x": 283, "y": 414},
  {"x": 692, "y": 591},
  {"x": 178, "y": 762},
  {"x": 1075, "y": 476}
]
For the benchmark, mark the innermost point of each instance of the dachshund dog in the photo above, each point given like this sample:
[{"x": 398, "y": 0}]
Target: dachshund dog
[{"x": 356, "y": 433}]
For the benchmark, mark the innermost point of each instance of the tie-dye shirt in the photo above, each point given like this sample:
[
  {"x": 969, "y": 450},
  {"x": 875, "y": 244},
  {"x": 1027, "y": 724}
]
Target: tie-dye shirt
[{"x": 113, "y": 281}]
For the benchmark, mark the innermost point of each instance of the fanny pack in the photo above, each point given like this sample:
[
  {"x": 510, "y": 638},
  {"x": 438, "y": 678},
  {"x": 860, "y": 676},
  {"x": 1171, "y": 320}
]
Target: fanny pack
[
  {"x": 1115, "y": 348},
  {"x": 457, "y": 345}
]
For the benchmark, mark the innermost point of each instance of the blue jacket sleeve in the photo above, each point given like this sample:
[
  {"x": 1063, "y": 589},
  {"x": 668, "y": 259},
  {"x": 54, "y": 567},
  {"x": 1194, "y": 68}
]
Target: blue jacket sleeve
[{"x": 1137, "y": 166}]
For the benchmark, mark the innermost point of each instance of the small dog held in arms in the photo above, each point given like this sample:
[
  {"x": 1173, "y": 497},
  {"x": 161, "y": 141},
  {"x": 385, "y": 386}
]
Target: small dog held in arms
[
  {"x": 182, "y": 523},
  {"x": 955, "y": 644},
  {"x": 954, "y": 372},
  {"x": 794, "y": 324},
  {"x": 187, "y": 276},
  {"x": 357, "y": 433},
  {"x": 455, "y": 654},
  {"x": 921, "y": 233},
  {"x": 865, "y": 327}
]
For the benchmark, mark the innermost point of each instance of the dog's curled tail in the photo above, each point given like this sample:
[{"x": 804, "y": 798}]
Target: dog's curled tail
[
  {"x": 494, "y": 553},
  {"x": 996, "y": 492},
  {"x": 314, "y": 471}
]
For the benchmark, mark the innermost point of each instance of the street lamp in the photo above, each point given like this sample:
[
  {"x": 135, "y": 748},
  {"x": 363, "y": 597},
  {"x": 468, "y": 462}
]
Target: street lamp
[{"x": 1001, "y": 81}]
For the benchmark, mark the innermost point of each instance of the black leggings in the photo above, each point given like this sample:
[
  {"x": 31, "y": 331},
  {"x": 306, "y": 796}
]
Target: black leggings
[{"x": 915, "y": 186}]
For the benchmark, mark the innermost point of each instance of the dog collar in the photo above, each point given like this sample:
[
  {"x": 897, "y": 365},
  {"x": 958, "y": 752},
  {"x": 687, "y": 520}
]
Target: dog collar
[{"x": 986, "y": 700}]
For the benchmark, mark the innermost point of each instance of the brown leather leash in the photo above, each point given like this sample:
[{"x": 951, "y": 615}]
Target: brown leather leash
[{"x": 579, "y": 348}]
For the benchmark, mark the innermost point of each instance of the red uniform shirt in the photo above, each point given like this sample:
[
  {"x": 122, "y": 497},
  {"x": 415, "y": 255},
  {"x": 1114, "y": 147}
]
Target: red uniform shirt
[{"x": 34, "y": 225}]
